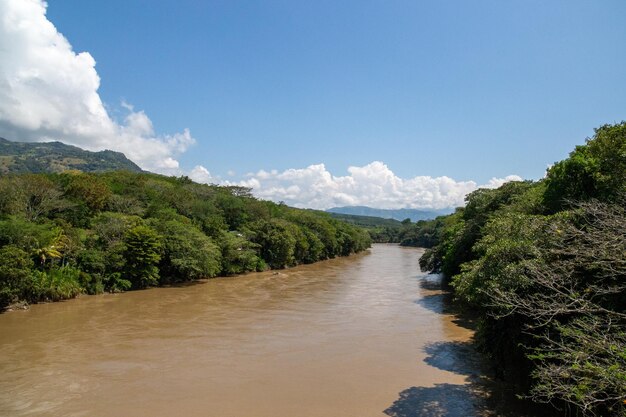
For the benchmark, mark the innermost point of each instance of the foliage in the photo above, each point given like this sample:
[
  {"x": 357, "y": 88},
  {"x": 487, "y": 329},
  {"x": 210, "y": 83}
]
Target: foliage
[
  {"x": 88, "y": 190},
  {"x": 424, "y": 233},
  {"x": 63, "y": 234},
  {"x": 239, "y": 255},
  {"x": 142, "y": 254},
  {"x": 544, "y": 265},
  {"x": 34, "y": 196},
  {"x": 15, "y": 273},
  {"x": 188, "y": 253},
  {"x": 55, "y": 284},
  {"x": 574, "y": 304},
  {"x": 381, "y": 230},
  {"x": 276, "y": 242},
  {"x": 508, "y": 242},
  {"x": 594, "y": 170}
]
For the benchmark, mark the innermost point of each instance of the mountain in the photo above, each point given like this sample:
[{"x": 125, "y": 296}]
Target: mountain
[
  {"x": 397, "y": 214},
  {"x": 21, "y": 157}
]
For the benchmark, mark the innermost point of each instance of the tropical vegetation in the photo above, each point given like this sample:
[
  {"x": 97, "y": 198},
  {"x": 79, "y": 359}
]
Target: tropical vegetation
[
  {"x": 543, "y": 263},
  {"x": 64, "y": 234}
]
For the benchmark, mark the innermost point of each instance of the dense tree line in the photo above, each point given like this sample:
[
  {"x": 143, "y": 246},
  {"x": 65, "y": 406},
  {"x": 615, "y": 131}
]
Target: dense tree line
[
  {"x": 544, "y": 263},
  {"x": 390, "y": 233},
  {"x": 381, "y": 230},
  {"x": 423, "y": 233},
  {"x": 71, "y": 233}
]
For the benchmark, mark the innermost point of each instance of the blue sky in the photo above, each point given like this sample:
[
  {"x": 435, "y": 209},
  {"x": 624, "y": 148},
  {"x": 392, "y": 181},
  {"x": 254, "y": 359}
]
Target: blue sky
[{"x": 469, "y": 90}]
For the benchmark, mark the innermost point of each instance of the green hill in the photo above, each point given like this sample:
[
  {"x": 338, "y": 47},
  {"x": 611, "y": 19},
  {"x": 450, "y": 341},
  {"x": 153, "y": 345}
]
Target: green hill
[
  {"x": 381, "y": 230},
  {"x": 367, "y": 222},
  {"x": 54, "y": 157}
]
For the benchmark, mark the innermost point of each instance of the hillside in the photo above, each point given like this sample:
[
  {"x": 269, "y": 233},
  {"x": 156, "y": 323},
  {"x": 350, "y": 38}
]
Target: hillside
[
  {"x": 397, "y": 214},
  {"x": 367, "y": 222},
  {"x": 54, "y": 157},
  {"x": 387, "y": 230}
]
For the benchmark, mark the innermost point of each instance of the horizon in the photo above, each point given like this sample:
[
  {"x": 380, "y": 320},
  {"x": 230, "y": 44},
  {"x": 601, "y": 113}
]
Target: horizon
[{"x": 389, "y": 106}]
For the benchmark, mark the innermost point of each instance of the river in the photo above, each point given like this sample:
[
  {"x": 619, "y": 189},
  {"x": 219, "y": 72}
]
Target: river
[{"x": 367, "y": 335}]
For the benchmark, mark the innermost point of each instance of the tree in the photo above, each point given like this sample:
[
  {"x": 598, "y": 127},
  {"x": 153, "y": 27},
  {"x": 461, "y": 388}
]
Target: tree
[
  {"x": 238, "y": 254},
  {"x": 233, "y": 210},
  {"x": 88, "y": 189},
  {"x": 573, "y": 303},
  {"x": 111, "y": 228},
  {"x": 142, "y": 254},
  {"x": 276, "y": 244},
  {"x": 15, "y": 274},
  {"x": 38, "y": 196},
  {"x": 187, "y": 252},
  {"x": 594, "y": 170},
  {"x": 315, "y": 249},
  {"x": 465, "y": 227}
]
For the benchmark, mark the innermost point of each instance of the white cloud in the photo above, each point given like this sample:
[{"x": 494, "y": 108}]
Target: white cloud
[
  {"x": 372, "y": 185},
  {"x": 49, "y": 92},
  {"x": 497, "y": 182},
  {"x": 201, "y": 174}
]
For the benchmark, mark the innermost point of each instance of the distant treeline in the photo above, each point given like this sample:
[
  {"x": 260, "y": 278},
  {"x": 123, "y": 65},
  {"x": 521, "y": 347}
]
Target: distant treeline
[
  {"x": 381, "y": 230},
  {"x": 423, "y": 233},
  {"x": 544, "y": 265},
  {"x": 71, "y": 233}
]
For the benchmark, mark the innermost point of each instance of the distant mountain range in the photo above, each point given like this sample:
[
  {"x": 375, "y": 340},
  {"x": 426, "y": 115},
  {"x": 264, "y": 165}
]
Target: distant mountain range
[
  {"x": 397, "y": 214},
  {"x": 36, "y": 157}
]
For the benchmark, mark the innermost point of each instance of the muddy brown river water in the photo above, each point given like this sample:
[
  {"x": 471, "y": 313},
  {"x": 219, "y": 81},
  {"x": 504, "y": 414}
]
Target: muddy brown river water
[{"x": 367, "y": 335}]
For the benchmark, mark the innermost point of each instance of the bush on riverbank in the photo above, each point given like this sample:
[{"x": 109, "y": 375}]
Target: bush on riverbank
[
  {"x": 71, "y": 233},
  {"x": 545, "y": 264}
]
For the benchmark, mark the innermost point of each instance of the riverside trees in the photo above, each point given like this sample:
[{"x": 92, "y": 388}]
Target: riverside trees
[
  {"x": 63, "y": 234},
  {"x": 545, "y": 265}
]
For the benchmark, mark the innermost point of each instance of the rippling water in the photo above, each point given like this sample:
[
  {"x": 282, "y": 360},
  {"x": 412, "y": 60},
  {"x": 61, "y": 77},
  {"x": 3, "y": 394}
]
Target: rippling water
[{"x": 367, "y": 335}]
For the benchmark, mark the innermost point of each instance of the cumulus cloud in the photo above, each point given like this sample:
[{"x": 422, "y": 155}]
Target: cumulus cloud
[
  {"x": 372, "y": 185},
  {"x": 49, "y": 92},
  {"x": 497, "y": 182},
  {"x": 202, "y": 175}
]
